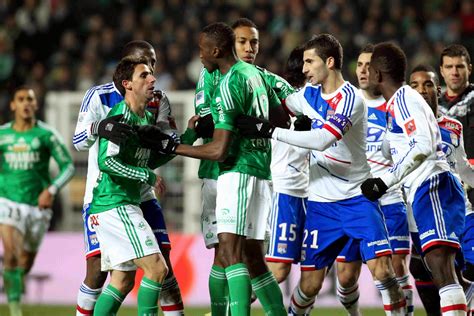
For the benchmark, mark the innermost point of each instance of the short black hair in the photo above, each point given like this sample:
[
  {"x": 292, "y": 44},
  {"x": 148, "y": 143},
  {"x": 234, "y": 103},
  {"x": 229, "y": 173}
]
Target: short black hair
[
  {"x": 425, "y": 68},
  {"x": 131, "y": 47},
  {"x": 455, "y": 50},
  {"x": 15, "y": 90},
  {"x": 390, "y": 59},
  {"x": 222, "y": 35},
  {"x": 326, "y": 46},
  {"x": 367, "y": 49},
  {"x": 294, "y": 68},
  {"x": 243, "y": 22},
  {"x": 125, "y": 69}
]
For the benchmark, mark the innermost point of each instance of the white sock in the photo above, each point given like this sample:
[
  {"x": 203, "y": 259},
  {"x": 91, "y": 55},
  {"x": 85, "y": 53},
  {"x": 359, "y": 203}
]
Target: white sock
[
  {"x": 86, "y": 299},
  {"x": 349, "y": 298},
  {"x": 392, "y": 297},
  {"x": 171, "y": 302},
  {"x": 300, "y": 304},
  {"x": 407, "y": 288},
  {"x": 453, "y": 300}
]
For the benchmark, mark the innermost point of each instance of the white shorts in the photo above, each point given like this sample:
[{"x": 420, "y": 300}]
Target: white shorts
[
  {"x": 208, "y": 216},
  {"x": 243, "y": 205},
  {"x": 32, "y": 222},
  {"x": 124, "y": 235}
]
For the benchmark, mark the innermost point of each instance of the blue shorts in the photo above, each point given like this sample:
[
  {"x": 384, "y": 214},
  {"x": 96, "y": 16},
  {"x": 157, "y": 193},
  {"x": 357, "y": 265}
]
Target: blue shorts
[
  {"x": 329, "y": 225},
  {"x": 152, "y": 213},
  {"x": 286, "y": 228},
  {"x": 467, "y": 239},
  {"x": 397, "y": 226},
  {"x": 439, "y": 211}
]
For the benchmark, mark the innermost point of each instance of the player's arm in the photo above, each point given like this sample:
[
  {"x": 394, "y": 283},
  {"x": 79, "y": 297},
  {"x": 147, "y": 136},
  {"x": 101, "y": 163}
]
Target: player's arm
[
  {"x": 464, "y": 168},
  {"x": 84, "y": 137},
  {"x": 110, "y": 163},
  {"x": 417, "y": 133}
]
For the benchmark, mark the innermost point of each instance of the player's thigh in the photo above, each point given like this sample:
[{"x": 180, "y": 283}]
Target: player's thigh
[
  {"x": 208, "y": 215},
  {"x": 348, "y": 272},
  {"x": 12, "y": 240},
  {"x": 37, "y": 227},
  {"x": 259, "y": 207},
  {"x": 311, "y": 282}
]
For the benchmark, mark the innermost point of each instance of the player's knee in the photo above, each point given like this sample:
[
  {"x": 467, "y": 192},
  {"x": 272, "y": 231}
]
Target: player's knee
[
  {"x": 468, "y": 272},
  {"x": 347, "y": 280},
  {"x": 399, "y": 265},
  {"x": 157, "y": 272},
  {"x": 418, "y": 270},
  {"x": 280, "y": 270},
  {"x": 310, "y": 287},
  {"x": 10, "y": 260}
]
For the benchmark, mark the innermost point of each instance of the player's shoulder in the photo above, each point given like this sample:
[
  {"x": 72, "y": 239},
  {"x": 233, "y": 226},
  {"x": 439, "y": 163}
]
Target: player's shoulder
[
  {"x": 5, "y": 126},
  {"x": 351, "y": 94},
  {"x": 102, "y": 88},
  {"x": 450, "y": 124}
]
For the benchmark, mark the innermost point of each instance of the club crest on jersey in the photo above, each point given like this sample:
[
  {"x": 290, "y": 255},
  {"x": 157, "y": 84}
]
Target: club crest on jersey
[
  {"x": 282, "y": 248},
  {"x": 410, "y": 127}
]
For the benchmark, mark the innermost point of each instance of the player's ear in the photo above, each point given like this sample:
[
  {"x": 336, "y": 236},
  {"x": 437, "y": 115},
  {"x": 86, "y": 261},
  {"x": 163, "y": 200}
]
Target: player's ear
[
  {"x": 12, "y": 105},
  {"x": 127, "y": 84},
  {"x": 438, "y": 91},
  {"x": 216, "y": 52},
  {"x": 330, "y": 62}
]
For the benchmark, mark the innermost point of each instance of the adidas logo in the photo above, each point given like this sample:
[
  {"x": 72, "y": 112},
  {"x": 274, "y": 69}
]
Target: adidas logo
[
  {"x": 164, "y": 143},
  {"x": 372, "y": 116},
  {"x": 259, "y": 126},
  {"x": 376, "y": 188}
]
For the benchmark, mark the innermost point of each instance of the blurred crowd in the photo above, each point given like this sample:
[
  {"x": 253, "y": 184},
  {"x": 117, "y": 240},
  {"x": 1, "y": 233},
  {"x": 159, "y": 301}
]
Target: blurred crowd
[{"x": 72, "y": 45}]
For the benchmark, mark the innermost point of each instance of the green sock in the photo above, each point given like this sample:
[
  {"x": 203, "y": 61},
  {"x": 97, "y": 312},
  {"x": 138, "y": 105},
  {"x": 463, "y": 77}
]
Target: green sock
[
  {"x": 12, "y": 280},
  {"x": 109, "y": 302},
  {"x": 239, "y": 289},
  {"x": 22, "y": 278},
  {"x": 269, "y": 294},
  {"x": 219, "y": 291},
  {"x": 147, "y": 299}
]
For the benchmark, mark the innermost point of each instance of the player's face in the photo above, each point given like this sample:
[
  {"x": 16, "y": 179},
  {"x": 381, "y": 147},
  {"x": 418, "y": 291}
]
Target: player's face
[
  {"x": 24, "y": 104},
  {"x": 314, "y": 68},
  {"x": 362, "y": 70},
  {"x": 206, "y": 50},
  {"x": 455, "y": 72},
  {"x": 373, "y": 82},
  {"x": 246, "y": 43},
  {"x": 424, "y": 83},
  {"x": 149, "y": 54},
  {"x": 142, "y": 82}
]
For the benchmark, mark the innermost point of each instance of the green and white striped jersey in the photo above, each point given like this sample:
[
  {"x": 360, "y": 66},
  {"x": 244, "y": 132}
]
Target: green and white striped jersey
[
  {"x": 280, "y": 86},
  {"x": 24, "y": 162},
  {"x": 243, "y": 90},
  {"x": 124, "y": 168}
]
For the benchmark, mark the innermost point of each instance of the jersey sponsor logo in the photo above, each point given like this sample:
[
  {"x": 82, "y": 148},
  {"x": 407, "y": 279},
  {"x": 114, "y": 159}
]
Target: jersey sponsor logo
[
  {"x": 143, "y": 154},
  {"x": 410, "y": 127},
  {"x": 225, "y": 217},
  {"x": 375, "y": 134},
  {"x": 427, "y": 234},
  {"x": 377, "y": 243},
  {"x": 317, "y": 123},
  {"x": 93, "y": 222}
]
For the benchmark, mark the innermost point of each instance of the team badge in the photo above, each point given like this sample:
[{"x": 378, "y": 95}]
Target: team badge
[
  {"x": 35, "y": 143},
  {"x": 141, "y": 225},
  {"x": 282, "y": 248},
  {"x": 93, "y": 239},
  {"x": 148, "y": 241}
]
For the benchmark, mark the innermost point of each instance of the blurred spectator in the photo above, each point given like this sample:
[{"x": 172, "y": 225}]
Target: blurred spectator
[{"x": 71, "y": 45}]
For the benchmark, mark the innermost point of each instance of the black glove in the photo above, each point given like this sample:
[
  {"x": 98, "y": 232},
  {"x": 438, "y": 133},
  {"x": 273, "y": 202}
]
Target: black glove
[
  {"x": 254, "y": 127},
  {"x": 373, "y": 188},
  {"x": 150, "y": 136},
  {"x": 111, "y": 129},
  {"x": 205, "y": 126},
  {"x": 303, "y": 123}
]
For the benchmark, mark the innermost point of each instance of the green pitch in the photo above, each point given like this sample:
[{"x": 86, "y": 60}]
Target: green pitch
[{"x": 47, "y": 310}]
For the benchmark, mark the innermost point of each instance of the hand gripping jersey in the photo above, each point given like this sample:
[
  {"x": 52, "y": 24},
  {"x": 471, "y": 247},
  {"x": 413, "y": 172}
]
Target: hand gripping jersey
[
  {"x": 415, "y": 141},
  {"x": 24, "y": 162},
  {"x": 453, "y": 147},
  {"x": 95, "y": 106},
  {"x": 376, "y": 126},
  {"x": 338, "y": 163},
  {"x": 242, "y": 90},
  {"x": 124, "y": 168}
]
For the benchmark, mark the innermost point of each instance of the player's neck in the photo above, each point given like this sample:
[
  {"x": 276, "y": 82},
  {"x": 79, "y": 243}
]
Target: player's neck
[
  {"x": 369, "y": 96},
  {"x": 332, "y": 82},
  {"x": 388, "y": 89},
  {"x": 226, "y": 63},
  {"x": 135, "y": 106},
  {"x": 22, "y": 125}
]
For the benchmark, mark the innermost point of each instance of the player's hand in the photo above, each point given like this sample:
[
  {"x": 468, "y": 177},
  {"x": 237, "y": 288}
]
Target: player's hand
[
  {"x": 303, "y": 123},
  {"x": 151, "y": 136},
  {"x": 192, "y": 121},
  {"x": 373, "y": 188},
  {"x": 254, "y": 127},
  {"x": 205, "y": 126},
  {"x": 111, "y": 129},
  {"x": 160, "y": 186},
  {"x": 45, "y": 200}
]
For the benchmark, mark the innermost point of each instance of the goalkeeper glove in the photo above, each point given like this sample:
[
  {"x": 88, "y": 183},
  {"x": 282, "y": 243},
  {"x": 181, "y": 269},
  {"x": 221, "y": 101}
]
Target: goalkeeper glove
[
  {"x": 150, "y": 136},
  {"x": 254, "y": 127},
  {"x": 111, "y": 129},
  {"x": 373, "y": 188},
  {"x": 303, "y": 123},
  {"x": 205, "y": 126}
]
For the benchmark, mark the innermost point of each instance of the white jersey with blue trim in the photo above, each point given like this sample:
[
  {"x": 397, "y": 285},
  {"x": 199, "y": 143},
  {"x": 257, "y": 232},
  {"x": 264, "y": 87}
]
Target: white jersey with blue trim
[
  {"x": 95, "y": 106},
  {"x": 453, "y": 148},
  {"x": 415, "y": 141},
  {"x": 338, "y": 163},
  {"x": 376, "y": 126}
]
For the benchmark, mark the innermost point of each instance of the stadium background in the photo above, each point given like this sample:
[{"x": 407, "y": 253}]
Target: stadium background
[{"x": 63, "y": 47}]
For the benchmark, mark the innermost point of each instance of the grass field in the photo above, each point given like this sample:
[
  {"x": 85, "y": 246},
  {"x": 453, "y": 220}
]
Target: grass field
[{"x": 45, "y": 310}]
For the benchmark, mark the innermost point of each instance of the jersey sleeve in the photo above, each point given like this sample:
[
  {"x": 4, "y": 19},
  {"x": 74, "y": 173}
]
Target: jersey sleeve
[
  {"x": 83, "y": 138},
  {"x": 464, "y": 168},
  {"x": 334, "y": 128},
  {"x": 62, "y": 157},
  {"x": 416, "y": 131},
  {"x": 228, "y": 102},
  {"x": 293, "y": 103}
]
